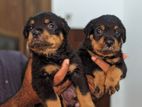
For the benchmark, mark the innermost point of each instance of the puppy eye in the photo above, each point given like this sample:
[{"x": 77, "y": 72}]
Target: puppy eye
[
  {"x": 99, "y": 31},
  {"x": 51, "y": 26},
  {"x": 117, "y": 33},
  {"x": 30, "y": 27}
]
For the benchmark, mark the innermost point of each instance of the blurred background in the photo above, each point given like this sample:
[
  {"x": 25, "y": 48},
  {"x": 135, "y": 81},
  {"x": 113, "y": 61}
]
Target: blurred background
[{"x": 14, "y": 13}]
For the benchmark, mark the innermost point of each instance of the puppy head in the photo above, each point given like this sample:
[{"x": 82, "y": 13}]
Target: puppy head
[
  {"x": 105, "y": 35},
  {"x": 45, "y": 33}
]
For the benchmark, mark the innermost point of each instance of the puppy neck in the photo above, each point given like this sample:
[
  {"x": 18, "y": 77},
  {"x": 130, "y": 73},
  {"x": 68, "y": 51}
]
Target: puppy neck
[{"x": 109, "y": 59}]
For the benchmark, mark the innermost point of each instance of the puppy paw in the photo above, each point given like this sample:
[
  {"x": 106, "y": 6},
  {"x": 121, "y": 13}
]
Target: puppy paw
[
  {"x": 99, "y": 91},
  {"x": 99, "y": 88},
  {"x": 113, "y": 77}
]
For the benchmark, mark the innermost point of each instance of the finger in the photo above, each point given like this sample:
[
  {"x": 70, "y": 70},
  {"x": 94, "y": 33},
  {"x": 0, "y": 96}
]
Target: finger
[
  {"x": 125, "y": 56},
  {"x": 59, "y": 76},
  {"x": 59, "y": 89},
  {"x": 103, "y": 65}
]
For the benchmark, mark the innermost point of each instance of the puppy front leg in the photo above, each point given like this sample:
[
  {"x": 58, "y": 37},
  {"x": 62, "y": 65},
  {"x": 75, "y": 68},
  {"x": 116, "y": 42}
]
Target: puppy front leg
[
  {"x": 44, "y": 89},
  {"x": 113, "y": 76},
  {"x": 99, "y": 80},
  {"x": 53, "y": 103},
  {"x": 81, "y": 89}
]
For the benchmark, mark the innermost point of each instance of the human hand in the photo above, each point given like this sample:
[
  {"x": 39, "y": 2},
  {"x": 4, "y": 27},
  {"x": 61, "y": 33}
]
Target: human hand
[
  {"x": 109, "y": 71},
  {"x": 60, "y": 75},
  {"x": 102, "y": 64}
]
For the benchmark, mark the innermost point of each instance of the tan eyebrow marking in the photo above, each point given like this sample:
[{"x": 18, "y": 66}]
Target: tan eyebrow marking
[
  {"x": 116, "y": 27},
  {"x": 46, "y": 21},
  {"x": 102, "y": 27},
  {"x": 32, "y": 22}
]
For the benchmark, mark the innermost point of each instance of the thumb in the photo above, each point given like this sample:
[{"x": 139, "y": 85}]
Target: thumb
[
  {"x": 103, "y": 65},
  {"x": 60, "y": 75}
]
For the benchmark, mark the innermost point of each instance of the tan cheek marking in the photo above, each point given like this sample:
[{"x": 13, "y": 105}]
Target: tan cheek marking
[
  {"x": 72, "y": 67},
  {"x": 116, "y": 45},
  {"x": 51, "y": 68},
  {"x": 53, "y": 103},
  {"x": 97, "y": 45},
  {"x": 93, "y": 42},
  {"x": 84, "y": 100},
  {"x": 101, "y": 41},
  {"x": 56, "y": 40},
  {"x": 45, "y": 35}
]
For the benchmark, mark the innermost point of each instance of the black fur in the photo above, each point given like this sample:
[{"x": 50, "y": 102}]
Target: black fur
[
  {"x": 61, "y": 24},
  {"x": 105, "y": 19},
  {"x": 42, "y": 81},
  {"x": 108, "y": 20}
]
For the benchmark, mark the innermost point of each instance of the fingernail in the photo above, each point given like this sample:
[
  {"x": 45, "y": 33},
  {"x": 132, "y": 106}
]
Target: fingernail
[
  {"x": 93, "y": 58},
  {"x": 67, "y": 61}
]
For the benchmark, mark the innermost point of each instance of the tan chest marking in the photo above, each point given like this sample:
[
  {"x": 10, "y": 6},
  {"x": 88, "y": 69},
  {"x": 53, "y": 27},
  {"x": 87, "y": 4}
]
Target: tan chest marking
[
  {"x": 53, "y": 103},
  {"x": 51, "y": 68},
  {"x": 72, "y": 67}
]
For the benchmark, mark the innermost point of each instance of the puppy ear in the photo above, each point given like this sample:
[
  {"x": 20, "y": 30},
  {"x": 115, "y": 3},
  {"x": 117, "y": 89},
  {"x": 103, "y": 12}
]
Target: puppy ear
[
  {"x": 124, "y": 35},
  {"x": 26, "y": 29},
  {"x": 65, "y": 27},
  {"x": 89, "y": 28}
]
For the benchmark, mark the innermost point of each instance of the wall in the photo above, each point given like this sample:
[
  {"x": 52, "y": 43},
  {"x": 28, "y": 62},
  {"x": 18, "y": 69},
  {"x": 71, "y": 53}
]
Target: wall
[
  {"x": 13, "y": 14},
  {"x": 131, "y": 93},
  {"x": 133, "y": 19},
  {"x": 80, "y": 12},
  {"x": 130, "y": 12}
]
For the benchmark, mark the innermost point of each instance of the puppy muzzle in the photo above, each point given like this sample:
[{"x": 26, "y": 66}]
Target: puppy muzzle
[{"x": 36, "y": 32}]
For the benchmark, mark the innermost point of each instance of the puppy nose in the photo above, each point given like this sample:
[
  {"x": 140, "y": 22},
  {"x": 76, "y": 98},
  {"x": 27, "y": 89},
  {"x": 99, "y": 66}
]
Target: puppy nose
[
  {"x": 36, "y": 32},
  {"x": 109, "y": 42}
]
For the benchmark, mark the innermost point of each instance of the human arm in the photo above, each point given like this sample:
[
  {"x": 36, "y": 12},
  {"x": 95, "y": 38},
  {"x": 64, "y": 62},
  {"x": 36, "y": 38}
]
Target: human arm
[
  {"x": 102, "y": 64},
  {"x": 26, "y": 96}
]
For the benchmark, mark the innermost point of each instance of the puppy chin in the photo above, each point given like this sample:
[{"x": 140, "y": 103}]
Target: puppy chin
[
  {"x": 43, "y": 52},
  {"x": 104, "y": 53},
  {"x": 35, "y": 50}
]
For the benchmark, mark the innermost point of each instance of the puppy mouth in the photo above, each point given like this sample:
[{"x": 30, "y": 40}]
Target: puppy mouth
[
  {"x": 40, "y": 44},
  {"x": 105, "y": 51}
]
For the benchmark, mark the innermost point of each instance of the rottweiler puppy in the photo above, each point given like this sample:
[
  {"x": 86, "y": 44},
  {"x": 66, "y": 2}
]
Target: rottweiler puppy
[
  {"x": 104, "y": 37},
  {"x": 46, "y": 35}
]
